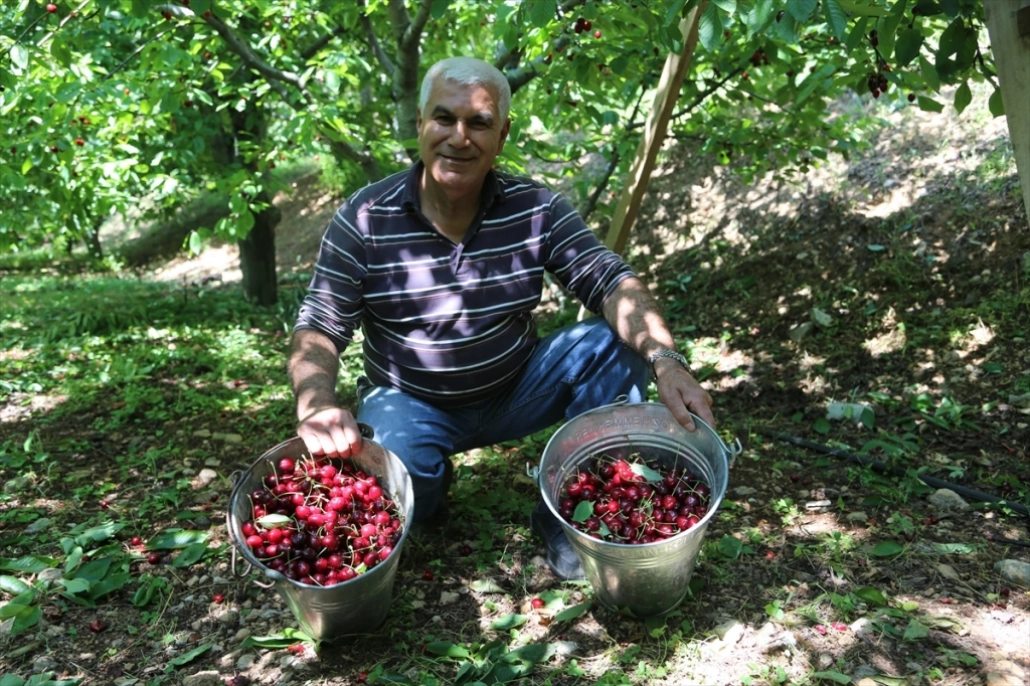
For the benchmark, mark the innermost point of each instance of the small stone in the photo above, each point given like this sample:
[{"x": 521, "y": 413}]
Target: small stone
[
  {"x": 246, "y": 661},
  {"x": 241, "y": 635},
  {"x": 17, "y": 483},
  {"x": 998, "y": 679},
  {"x": 1014, "y": 571},
  {"x": 38, "y": 525},
  {"x": 230, "y": 618},
  {"x": 825, "y": 660},
  {"x": 50, "y": 574},
  {"x": 212, "y": 462},
  {"x": 948, "y": 572},
  {"x": 232, "y": 438},
  {"x": 447, "y": 597},
  {"x": 857, "y": 517},
  {"x": 205, "y": 678},
  {"x": 863, "y": 627},
  {"x": 800, "y": 331},
  {"x": 818, "y": 505},
  {"x": 43, "y": 664},
  {"x": 947, "y": 499},
  {"x": 729, "y": 632},
  {"x": 202, "y": 433},
  {"x": 205, "y": 477},
  {"x": 744, "y": 491}
]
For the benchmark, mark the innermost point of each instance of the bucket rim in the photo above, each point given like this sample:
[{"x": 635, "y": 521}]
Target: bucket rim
[
  {"x": 233, "y": 523},
  {"x": 726, "y": 452}
]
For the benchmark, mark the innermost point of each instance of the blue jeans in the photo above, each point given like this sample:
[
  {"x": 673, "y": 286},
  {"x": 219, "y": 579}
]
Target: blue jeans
[{"x": 574, "y": 370}]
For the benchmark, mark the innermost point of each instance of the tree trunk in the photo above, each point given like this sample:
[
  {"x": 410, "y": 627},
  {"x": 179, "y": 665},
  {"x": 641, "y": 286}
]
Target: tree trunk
[
  {"x": 257, "y": 256},
  {"x": 93, "y": 239},
  {"x": 257, "y": 248}
]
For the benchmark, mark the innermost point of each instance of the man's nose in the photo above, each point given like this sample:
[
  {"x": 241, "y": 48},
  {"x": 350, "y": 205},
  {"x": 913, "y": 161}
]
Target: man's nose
[{"x": 459, "y": 134}]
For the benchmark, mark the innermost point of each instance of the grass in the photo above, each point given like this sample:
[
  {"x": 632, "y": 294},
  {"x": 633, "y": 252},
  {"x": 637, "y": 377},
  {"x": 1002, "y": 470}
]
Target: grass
[{"x": 116, "y": 394}]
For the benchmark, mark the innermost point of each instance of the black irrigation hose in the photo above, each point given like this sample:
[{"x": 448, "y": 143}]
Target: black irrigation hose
[{"x": 897, "y": 471}]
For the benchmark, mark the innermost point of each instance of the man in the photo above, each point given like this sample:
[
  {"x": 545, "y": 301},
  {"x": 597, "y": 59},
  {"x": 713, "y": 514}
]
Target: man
[{"x": 442, "y": 265}]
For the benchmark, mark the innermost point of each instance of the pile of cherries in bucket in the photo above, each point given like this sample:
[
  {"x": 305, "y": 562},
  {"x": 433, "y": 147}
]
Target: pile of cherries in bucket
[
  {"x": 321, "y": 521},
  {"x": 632, "y": 503}
]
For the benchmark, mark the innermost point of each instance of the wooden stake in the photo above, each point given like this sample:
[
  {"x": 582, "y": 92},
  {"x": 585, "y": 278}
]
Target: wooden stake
[
  {"x": 654, "y": 133},
  {"x": 1012, "y": 58}
]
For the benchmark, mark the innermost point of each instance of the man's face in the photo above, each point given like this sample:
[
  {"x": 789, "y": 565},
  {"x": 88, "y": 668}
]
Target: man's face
[{"x": 460, "y": 135}]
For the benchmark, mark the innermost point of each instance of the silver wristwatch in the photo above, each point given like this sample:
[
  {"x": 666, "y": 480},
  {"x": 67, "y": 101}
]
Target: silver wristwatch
[{"x": 671, "y": 354}]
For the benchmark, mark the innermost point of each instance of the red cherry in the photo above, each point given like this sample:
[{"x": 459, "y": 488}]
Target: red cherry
[
  {"x": 97, "y": 625},
  {"x": 427, "y": 575},
  {"x": 154, "y": 558},
  {"x": 219, "y": 598},
  {"x": 537, "y": 603},
  {"x": 51, "y": 8},
  {"x": 597, "y": 34},
  {"x": 79, "y": 142}
]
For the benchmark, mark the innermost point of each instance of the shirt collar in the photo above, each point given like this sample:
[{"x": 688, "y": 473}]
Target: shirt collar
[{"x": 492, "y": 191}]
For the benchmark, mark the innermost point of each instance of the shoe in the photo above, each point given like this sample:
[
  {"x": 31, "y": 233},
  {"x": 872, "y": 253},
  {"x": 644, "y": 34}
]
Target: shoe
[{"x": 561, "y": 556}]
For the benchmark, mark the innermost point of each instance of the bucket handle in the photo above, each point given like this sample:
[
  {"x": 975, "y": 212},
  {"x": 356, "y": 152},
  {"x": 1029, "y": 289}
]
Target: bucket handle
[{"x": 733, "y": 451}]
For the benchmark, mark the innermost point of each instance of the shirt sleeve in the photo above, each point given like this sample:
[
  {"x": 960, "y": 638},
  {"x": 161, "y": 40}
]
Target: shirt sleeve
[
  {"x": 579, "y": 261},
  {"x": 334, "y": 303}
]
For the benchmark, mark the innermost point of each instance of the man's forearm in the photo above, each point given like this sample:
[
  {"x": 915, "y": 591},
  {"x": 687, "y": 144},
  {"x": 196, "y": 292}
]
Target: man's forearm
[
  {"x": 313, "y": 366},
  {"x": 635, "y": 315}
]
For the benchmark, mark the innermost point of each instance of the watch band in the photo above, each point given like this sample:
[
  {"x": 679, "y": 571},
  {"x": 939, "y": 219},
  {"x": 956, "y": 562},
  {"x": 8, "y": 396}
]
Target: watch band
[{"x": 671, "y": 354}]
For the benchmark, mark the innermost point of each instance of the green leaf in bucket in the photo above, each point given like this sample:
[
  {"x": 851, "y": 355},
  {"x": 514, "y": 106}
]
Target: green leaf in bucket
[
  {"x": 584, "y": 511},
  {"x": 273, "y": 521},
  {"x": 642, "y": 470}
]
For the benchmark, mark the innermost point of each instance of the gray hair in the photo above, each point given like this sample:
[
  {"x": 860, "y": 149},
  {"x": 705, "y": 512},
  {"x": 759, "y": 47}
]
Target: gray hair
[{"x": 468, "y": 71}]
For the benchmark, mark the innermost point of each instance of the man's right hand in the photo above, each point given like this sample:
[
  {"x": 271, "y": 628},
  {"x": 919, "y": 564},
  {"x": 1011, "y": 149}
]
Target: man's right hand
[{"x": 330, "y": 431}]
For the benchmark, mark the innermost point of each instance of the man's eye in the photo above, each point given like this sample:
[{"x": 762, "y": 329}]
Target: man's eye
[{"x": 445, "y": 120}]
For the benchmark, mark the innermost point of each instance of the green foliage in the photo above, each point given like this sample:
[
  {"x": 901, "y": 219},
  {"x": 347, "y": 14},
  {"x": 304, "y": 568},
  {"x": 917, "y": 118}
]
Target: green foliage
[{"x": 118, "y": 101}]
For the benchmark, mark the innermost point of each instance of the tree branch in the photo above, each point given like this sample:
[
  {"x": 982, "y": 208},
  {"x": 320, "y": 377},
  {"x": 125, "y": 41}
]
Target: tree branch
[
  {"x": 413, "y": 34},
  {"x": 315, "y": 47},
  {"x": 373, "y": 41},
  {"x": 275, "y": 77},
  {"x": 698, "y": 99},
  {"x": 591, "y": 202},
  {"x": 137, "y": 51},
  {"x": 399, "y": 19}
]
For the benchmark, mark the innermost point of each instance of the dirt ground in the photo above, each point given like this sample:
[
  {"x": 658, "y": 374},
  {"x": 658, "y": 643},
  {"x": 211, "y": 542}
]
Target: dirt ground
[{"x": 743, "y": 269}]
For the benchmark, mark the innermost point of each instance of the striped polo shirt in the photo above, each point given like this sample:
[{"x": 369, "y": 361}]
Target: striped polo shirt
[{"x": 451, "y": 324}]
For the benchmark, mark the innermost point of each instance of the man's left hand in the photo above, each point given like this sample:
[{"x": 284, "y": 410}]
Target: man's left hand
[{"x": 682, "y": 394}]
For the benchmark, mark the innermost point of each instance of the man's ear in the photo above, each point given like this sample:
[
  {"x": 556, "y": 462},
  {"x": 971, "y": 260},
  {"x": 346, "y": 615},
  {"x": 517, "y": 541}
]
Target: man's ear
[{"x": 504, "y": 135}]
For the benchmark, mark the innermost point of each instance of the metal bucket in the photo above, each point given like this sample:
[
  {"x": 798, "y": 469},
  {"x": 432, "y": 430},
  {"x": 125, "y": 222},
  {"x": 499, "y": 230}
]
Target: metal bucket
[
  {"x": 351, "y": 607},
  {"x": 639, "y": 580}
]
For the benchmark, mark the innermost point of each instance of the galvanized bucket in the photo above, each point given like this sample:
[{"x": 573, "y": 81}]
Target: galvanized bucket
[
  {"x": 639, "y": 580},
  {"x": 351, "y": 607}
]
